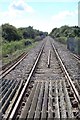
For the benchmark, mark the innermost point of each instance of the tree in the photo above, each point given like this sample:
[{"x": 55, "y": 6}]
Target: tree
[
  {"x": 66, "y": 31},
  {"x": 9, "y": 32}
]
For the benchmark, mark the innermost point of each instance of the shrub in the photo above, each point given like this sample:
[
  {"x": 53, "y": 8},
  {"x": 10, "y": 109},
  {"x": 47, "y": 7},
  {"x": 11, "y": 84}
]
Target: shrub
[
  {"x": 62, "y": 39},
  {"x": 38, "y": 38},
  {"x": 27, "y": 43},
  {"x": 11, "y": 47}
]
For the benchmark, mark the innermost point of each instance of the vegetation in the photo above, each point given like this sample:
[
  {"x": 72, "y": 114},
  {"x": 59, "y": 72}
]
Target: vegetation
[
  {"x": 61, "y": 34},
  {"x": 14, "y": 41},
  {"x": 11, "y": 33},
  {"x": 65, "y": 33},
  {"x": 13, "y": 49},
  {"x": 61, "y": 39}
]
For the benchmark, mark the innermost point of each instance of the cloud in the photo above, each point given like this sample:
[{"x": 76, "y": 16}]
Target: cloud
[
  {"x": 67, "y": 17},
  {"x": 64, "y": 15},
  {"x": 20, "y": 5},
  {"x": 3, "y": 1},
  {"x": 21, "y": 14},
  {"x": 52, "y": 0},
  {"x": 16, "y": 11}
]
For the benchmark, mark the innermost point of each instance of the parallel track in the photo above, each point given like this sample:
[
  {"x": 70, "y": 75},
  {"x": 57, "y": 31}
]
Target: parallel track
[
  {"x": 10, "y": 66},
  {"x": 10, "y": 89},
  {"x": 49, "y": 91},
  {"x": 76, "y": 57}
]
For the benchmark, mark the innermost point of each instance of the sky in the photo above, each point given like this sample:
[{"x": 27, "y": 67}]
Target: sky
[{"x": 43, "y": 15}]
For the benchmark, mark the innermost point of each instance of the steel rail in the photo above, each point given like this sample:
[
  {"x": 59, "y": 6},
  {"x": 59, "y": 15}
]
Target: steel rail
[
  {"x": 76, "y": 57},
  {"x": 4, "y": 67},
  {"x": 4, "y": 73},
  {"x": 15, "y": 108},
  {"x": 66, "y": 73},
  {"x": 12, "y": 115}
]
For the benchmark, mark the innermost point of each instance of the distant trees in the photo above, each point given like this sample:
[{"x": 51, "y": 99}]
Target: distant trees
[
  {"x": 29, "y": 32},
  {"x": 11, "y": 33},
  {"x": 63, "y": 33},
  {"x": 66, "y": 31}
]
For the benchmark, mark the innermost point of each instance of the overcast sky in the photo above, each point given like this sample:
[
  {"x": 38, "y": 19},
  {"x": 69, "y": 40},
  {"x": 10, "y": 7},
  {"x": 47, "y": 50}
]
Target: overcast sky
[{"x": 41, "y": 14}]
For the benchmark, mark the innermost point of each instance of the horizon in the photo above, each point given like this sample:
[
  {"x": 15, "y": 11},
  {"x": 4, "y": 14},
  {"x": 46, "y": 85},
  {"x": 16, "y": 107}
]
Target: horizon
[{"x": 43, "y": 16}]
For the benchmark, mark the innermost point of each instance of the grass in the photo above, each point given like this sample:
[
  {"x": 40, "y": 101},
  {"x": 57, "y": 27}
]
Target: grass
[
  {"x": 62, "y": 39},
  {"x": 11, "y": 50}
]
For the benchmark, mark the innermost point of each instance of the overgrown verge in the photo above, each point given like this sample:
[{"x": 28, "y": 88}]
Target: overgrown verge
[
  {"x": 14, "y": 41},
  {"x": 61, "y": 40},
  {"x": 11, "y": 50},
  {"x": 69, "y": 36}
]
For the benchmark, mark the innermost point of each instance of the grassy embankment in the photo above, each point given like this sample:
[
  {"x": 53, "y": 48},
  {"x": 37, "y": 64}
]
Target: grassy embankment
[
  {"x": 63, "y": 40},
  {"x": 70, "y": 33},
  {"x": 11, "y": 50}
]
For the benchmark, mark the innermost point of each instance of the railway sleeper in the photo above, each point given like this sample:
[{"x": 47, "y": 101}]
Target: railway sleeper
[
  {"x": 13, "y": 100},
  {"x": 45, "y": 101},
  {"x": 2, "y": 82},
  {"x": 62, "y": 102},
  {"x": 8, "y": 101},
  {"x": 28, "y": 103},
  {"x": 39, "y": 104},
  {"x": 3, "y": 87},
  {"x": 49, "y": 100},
  {"x": 68, "y": 105},
  {"x": 16, "y": 93},
  {"x": 34, "y": 102},
  {"x": 6, "y": 88},
  {"x": 7, "y": 94}
]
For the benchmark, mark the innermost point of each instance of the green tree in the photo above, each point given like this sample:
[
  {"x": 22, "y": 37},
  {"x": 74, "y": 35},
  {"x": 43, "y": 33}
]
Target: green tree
[
  {"x": 9, "y": 32},
  {"x": 66, "y": 31}
]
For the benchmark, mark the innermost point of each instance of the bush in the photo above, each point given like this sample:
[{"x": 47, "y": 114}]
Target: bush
[
  {"x": 27, "y": 43},
  {"x": 62, "y": 39},
  {"x": 11, "y": 47},
  {"x": 38, "y": 38},
  {"x": 10, "y": 33}
]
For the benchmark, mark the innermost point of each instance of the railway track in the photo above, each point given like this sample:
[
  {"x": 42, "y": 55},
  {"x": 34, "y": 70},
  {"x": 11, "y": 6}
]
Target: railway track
[
  {"x": 10, "y": 88},
  {"x": 10, "y": 66},
  {"x": 71, "y": 62},
  {"x": 77, "y": 57},
  {"x": 48, "y": 91}
]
